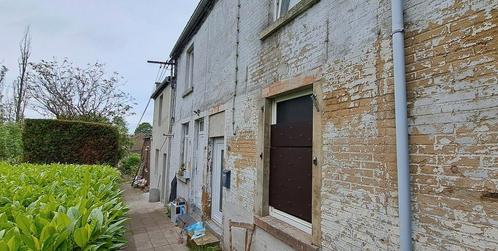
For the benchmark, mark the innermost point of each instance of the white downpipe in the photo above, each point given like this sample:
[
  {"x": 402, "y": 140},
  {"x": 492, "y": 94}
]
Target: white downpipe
[{"x": 402, "y": 157}]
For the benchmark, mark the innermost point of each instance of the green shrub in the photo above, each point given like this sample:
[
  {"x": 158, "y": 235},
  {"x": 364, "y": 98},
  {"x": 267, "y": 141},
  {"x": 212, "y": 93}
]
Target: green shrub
[
  {"x": 60, "y": 207},
  {"x": 130, "y": 164},
  {"x": 10, "y": 142},
  {"x": 71, "y": 142}
]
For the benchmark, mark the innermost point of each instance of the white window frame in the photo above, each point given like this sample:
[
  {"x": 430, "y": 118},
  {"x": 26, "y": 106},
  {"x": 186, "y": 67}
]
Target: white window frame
[
  {"x": 283, "y": 216},
  {"x": 189, "y": 77},
  {"x": 278, "y": 9},
  {"x": 185, "y": 143}
]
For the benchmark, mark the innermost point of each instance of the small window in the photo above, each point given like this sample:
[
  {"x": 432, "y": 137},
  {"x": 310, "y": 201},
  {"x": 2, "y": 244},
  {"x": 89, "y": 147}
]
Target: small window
[
  {"x": 160, "y": 111},
  {"x": 201, "y": 125},
  {"x": 283, "y": 6},
  {"x": 185, "y": 144},
  {"x": 156, "y": 163},
  {"x": 189, "y": 78}
]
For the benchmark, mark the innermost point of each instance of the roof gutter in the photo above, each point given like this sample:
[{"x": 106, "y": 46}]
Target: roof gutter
[{"x": 194, "y": 23}]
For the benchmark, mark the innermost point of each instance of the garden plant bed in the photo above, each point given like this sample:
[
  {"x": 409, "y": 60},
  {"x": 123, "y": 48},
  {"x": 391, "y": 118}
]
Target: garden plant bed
[{"x": 61, "y": 207}]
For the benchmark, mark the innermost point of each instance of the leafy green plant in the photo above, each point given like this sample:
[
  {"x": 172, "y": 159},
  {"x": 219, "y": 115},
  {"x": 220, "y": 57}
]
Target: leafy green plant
[
  {"x": 61, "y": 207},
  {"x": 130, "y": 164}
]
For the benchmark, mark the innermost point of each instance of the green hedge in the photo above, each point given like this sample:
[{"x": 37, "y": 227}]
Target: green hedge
[
  {"x": 61, "y": 207},
  {"x": 70, "y": 142},
  {"x": 10, "y": 142}
]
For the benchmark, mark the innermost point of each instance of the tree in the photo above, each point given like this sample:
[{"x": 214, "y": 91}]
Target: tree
[
  {"x": 144, "y": 128},
  {"x": 69, "y": 92},
  {"x": 20, "y": 85},
  {"x": 3, "y": 72},
  {"x": 3, "y": 101},
  {"x": 124, "y": 140}
]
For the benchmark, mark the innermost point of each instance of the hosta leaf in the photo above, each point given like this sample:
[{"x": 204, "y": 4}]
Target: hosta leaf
[
  {"x": 36, "y": 243},
  {"x": 91, "y": 248},
  {"x": 3, "y": 245},
  {"x": 60, "y": 239},
  {"x": 14, "y": 243},
  {"x": 23, "y": 223},
  {"x": 42, "y": 205},
  {"x": 97, "y": 216},
  {"x": 63, "y": 222},
  {"x": 47, "y": 231},
  {"x": 4, "y": 201},
  {"x": 40, "y": 223},
  {"x": 81, "y": 237},
  {"x": 73, "y": 213}
]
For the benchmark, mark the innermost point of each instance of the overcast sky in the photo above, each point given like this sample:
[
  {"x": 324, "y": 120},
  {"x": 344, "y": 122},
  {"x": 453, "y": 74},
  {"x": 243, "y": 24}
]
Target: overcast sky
[{"x": 123, "y": 34}]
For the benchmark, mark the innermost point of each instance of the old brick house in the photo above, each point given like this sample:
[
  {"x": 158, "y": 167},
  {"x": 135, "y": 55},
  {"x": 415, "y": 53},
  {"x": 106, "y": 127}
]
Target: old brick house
[{"x": 293, "y": 101}]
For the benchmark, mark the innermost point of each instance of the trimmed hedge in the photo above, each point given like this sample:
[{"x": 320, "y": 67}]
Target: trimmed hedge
[
  {"x": 10, "y": 142},
  {"x": 70, "y": 142}
]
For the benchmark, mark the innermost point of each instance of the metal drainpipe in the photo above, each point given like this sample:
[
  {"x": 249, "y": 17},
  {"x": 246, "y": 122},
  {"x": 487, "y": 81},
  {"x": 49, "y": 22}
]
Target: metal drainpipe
[
  {"x": 170, "y": 129},
  {"x": 402, "y": 157}
]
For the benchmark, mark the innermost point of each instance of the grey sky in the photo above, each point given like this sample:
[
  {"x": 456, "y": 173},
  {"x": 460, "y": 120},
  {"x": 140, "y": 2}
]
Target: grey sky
[{"x": 123, "y": 34}]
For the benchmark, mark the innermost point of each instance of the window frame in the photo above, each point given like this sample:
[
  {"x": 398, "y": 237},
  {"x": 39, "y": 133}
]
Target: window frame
[
  {"x": 278, "y": 8},
  {"x": 185, "y": 144},
  {"x": 279, "y": 20},
  {"x": 281, "y": 215},
  {"x": 189, "y": 70},
  {"x": 160, "y": 110},
  {"x": 263, "y": 219}
]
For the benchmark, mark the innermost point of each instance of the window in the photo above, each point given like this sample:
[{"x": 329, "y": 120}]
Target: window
[
  {"x": 189, "y": 78},
  {"x": 156, "y": 163},
  {"x": 160, "y": 111},
  {"x": 201, "y": 125},
  {"x": 185, "y": 145},
  {"x": 290, "y": 181},
  {"x": 283, "y": 6}
]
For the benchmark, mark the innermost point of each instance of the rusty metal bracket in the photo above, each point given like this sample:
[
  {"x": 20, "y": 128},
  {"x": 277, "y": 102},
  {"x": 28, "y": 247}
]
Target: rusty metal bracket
[{"x": 315, "y": 102}]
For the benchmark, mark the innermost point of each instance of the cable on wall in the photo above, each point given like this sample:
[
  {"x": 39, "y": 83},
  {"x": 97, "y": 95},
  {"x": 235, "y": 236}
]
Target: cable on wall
[{"x": 237, "y": 42}]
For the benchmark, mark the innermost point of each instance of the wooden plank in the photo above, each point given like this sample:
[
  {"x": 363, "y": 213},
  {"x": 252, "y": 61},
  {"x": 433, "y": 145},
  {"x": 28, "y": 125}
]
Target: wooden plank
[
  {"x": 291, "y": 180},
  {"x": 317, "y": 168},
  {"x": 241, "y": 225},
  {"x": 263, "y": 158},
  {"x": 207, "y": 240},
  {"x": 292, "y": 134}
]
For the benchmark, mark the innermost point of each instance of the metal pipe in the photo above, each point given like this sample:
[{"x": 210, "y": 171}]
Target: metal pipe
[{"x": 402, "y": 157}]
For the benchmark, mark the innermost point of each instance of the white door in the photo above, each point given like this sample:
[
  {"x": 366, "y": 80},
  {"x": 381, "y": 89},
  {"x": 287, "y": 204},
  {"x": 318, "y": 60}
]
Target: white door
[
  {"x": 198, "y": 170},
  {"x": 217, "y": 188},
  {"x": 164, "y": 179}
]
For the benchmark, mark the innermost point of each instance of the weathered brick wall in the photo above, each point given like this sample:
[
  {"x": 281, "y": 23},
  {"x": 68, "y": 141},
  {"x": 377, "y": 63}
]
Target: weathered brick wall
[
  {"x": 452, "y": 73},
  {"x": 212, "y": 86},
  {"x": 359, "y": 173}
]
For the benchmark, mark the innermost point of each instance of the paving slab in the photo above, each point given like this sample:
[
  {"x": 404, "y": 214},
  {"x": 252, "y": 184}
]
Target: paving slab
[{"x": 149, "y": 229}]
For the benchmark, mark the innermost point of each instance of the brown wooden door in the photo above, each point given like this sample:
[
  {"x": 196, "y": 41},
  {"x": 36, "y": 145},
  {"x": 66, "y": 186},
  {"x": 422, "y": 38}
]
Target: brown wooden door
[{"x": 291, "y": 157}]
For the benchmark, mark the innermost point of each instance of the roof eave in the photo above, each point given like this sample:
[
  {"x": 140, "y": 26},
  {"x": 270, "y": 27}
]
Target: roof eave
[{"x": 196, "y": 20}]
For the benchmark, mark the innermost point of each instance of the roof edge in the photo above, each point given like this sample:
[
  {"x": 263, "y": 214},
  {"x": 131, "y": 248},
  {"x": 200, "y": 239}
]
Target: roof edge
[
  {"x": 161, "y": 87},
  {"x": 196, "y": 20}
]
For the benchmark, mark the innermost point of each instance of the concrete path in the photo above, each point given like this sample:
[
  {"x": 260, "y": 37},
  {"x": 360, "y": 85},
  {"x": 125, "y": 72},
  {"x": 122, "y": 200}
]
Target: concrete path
[{"x": 149, "y": 229}]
